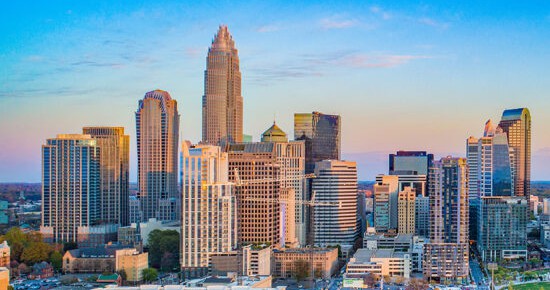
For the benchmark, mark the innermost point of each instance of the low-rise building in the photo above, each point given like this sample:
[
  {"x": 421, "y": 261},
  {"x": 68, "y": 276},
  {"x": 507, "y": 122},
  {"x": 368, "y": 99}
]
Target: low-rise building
[
  {"x": 4, "y": 254},
  {"x": 91, "y": 260},
  {"x": 256, "y": 260},
  {"x": 132, "y": 262},
  {"x": 380, "y": 263},
  {"x": 41, "y": 270},
  {"x": 324, "y": 260},
  {"x": 4, "y": 277},
  {"x": 399, "y": 242}
]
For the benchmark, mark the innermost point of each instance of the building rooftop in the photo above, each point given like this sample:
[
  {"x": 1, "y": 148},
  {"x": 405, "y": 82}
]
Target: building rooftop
[{"x": 365, "y": 255}]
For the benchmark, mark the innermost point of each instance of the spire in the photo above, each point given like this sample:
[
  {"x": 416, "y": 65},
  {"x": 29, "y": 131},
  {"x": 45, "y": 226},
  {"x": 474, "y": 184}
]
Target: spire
[{"x": 223, "y": 39}]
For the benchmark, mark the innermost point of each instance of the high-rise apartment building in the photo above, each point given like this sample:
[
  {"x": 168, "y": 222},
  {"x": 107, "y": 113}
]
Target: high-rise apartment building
[
  {"x": 114, "y": 169},
  {"x": 322, "y": 136},
  {"x": 386, "y": 190},
  {"x": 446, "y": 256},
  {"x": 71, "y": 186},
  {"x": 335, "y": 182},
  {"x": 502, "y": 232},
  {"x": 263, "y": 171},
  {"x": 406, "y": 211},
  {"x": 516, "y": 123},
  {"x": 208, "y": 208},
  {"x": 222, "y": 103},
  {"x": 157, "y": 129}
]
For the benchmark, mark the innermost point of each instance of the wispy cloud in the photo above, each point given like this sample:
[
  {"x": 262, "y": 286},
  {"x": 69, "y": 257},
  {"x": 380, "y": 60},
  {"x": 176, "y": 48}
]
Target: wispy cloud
[
  {"x": 433, "y": 23},
  {"x": 268, "y": 28},
  {"x": 338, "y": 23},
  {"x": 377, "y": 61},
  {"x": 380, "y": 12}
]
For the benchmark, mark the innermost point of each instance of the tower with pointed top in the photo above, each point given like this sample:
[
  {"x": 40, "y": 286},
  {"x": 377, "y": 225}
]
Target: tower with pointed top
[{"x": 222, "y": 103}]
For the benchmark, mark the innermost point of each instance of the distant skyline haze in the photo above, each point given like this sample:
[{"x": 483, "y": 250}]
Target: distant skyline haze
[{"x": 402, "y": 76}]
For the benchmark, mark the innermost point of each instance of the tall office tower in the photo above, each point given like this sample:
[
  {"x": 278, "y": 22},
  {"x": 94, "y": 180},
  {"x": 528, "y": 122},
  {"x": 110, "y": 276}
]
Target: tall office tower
[
  {"x": 386, "y": 190},
  {"x": 114, "y": 167},
  {"x": 406, "y": 209},
  {"x": 71, "y": 187},
  {"x": 503, "y": 228},
  {"x": 222, "y": 103},
  {"x": 264, "y": 170},
  {"x": 516, "y": 123},
  {"x": 157, "y": 129},
  {"x": 489, "y": 170},
  {"x": 335, "y": 182},
  {"x": 322, "y": 135},
  {"x": 446, "y": 256},
  {"x": 208, "y": 224}
]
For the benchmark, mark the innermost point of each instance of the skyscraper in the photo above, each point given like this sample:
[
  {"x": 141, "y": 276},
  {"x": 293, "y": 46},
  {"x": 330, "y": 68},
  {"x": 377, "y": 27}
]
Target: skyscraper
[
  {"x": 157, "y": 129},
  {"x": 385, "y": 192},
  {"x": 335, "y": 182},
  {"x": 222, "y": 103},
  {"x": 406, "y": 210},
  {"x": 516, "y": 123},
  {"x": 446, "y": 256},
  {"x": 322, "y": 136},
  {"x": 114, "y": 167},
  {"x": 71, "y": 187},
  {"x": 265, "y": 170},
  {"x": 208, "y": 208},
  {"x": 410, "y": 163}
]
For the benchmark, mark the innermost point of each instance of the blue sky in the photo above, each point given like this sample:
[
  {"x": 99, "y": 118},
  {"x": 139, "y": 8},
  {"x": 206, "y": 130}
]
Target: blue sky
[{"x": 418, "y": 76}]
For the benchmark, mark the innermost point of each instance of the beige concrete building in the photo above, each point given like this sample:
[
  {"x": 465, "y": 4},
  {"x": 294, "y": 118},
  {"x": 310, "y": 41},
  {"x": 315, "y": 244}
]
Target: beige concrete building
[
  {"x": 381, "y": 263},
  {"x": 5, "y": 253},
  {"x": 222, "y": 103},
  {"x": 406, "y": 211},
  {"x": 209, "y": 222},
  {"x": 335, "y": 182},
  {"x": 262, "y": 171},
  {"x": 114, "y": 151},
  {"x": 4, "y": 277},
  {"x": 132, "y": 262},
  {"x": 256, "y": 260},
  {"x": 324, "y": 261},
  {"x": 157, "y": 132}
]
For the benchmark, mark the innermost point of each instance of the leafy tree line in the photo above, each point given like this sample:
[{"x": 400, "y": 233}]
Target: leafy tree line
[
  {"x": 164, "y": 250},
  {"x": 28, "y": 249}
]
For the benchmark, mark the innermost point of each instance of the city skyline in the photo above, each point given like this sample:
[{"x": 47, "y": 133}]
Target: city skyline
[{"x": 477, "y": 83}]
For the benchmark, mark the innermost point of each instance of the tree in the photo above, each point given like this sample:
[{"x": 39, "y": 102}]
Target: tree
[
  {"x": 69, "y": 246},
  {"x": 417, "y": 284},
  {"x": 150, "y": 274},
  {"x": 123, "y": 275},
  {"x": 17, "y": 240},
  {"x": 36, "y": 252},
  {"x": 56, "y": 259},
  {"x": 160, "y": 243},
  {"x": 301, "y": 270},
  {"x": 23, "y": 269}
]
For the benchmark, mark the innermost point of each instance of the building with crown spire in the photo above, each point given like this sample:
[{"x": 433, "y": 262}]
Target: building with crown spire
[
  {"x": 157, "y": 130},
  {"x": 222, "y": 103}
]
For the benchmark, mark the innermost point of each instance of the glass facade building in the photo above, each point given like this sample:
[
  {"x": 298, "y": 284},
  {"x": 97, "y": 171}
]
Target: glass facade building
[
  {"x": 322, "y": 136},
  {"x": 71, "y": 187},
  {"x": 516, "y": 123}
]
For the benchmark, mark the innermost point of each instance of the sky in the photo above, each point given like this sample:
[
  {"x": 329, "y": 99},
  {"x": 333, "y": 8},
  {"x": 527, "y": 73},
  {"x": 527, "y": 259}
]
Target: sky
[{"x": 410, "y": 76}]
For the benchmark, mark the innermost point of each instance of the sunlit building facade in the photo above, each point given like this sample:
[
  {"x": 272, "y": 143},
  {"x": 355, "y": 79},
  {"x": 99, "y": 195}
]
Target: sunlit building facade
[
  {"x": 406, "y": 211},
  {"x": 208, "y": 208},
  {"x": 114, "y": 166},
  {"x": 335, "y": 182},
  {"x": 157, "y": 129},
  {"x": 516, "y": 123},
  {"x": 386, "y": 190},
  {"x": 446, "y": 255},
  {"x": 222, "y": 103},
  {"x": 71, "y": 186}
]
